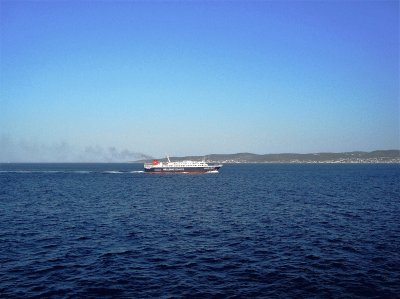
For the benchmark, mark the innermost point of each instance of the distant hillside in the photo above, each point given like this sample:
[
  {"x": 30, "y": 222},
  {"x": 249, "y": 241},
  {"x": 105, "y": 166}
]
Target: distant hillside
[{"x": 380, "y": 156}]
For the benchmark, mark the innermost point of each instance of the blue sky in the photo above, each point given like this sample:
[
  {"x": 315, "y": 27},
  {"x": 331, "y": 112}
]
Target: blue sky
[{"x": 82, "y": 79}]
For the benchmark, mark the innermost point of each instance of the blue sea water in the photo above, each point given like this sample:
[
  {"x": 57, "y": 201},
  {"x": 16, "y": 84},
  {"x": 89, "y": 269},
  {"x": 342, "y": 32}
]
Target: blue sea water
[{"x": 262, "y": 230}]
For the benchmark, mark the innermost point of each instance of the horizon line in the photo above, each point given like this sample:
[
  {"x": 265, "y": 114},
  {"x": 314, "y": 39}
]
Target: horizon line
[{"x": 238, "y": 153}]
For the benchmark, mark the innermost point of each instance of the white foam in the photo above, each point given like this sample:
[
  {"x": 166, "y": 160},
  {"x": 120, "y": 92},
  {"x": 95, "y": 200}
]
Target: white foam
[
  {"x": 30, "y": 171},
  {"x": 113, "y": 172}
]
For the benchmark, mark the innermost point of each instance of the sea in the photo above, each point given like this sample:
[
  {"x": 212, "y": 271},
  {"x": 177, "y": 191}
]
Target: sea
[{"x": 249, "y": 231}]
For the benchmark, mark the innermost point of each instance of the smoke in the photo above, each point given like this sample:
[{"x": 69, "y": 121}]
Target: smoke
[
  {"x": 33, "y": 151},
  {"x": 111, "y": 154}
]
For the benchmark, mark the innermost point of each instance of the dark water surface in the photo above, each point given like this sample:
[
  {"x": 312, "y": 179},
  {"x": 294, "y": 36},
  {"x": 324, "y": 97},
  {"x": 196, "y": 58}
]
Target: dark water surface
[{"x": 287, "y": 231}]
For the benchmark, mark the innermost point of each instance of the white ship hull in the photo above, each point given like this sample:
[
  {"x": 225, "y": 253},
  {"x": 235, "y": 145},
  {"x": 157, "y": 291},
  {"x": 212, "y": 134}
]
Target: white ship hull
[{"x": 180, "y": 167}]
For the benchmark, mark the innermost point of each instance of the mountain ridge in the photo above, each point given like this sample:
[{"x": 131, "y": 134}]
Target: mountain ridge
[{"x": 377, "y": 156}]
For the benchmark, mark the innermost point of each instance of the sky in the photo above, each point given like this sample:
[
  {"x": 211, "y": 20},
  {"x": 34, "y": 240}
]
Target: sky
[{"x": 123, "y": 80}]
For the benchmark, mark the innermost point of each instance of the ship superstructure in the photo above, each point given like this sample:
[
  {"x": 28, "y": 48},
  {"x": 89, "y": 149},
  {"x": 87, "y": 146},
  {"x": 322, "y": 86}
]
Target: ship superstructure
[{"x": 187, "y": 166}]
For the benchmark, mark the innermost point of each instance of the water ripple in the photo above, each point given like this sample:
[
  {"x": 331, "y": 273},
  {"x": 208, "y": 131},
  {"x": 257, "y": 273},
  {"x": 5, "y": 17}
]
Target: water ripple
[{"x": 249, "y": 231}]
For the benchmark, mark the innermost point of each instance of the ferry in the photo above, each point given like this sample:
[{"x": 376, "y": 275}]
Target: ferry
[{"x": 187, "y": 166}]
